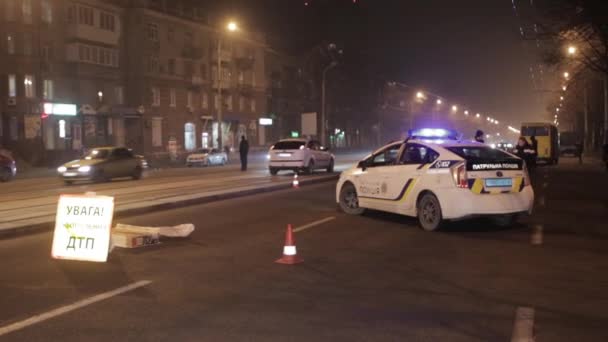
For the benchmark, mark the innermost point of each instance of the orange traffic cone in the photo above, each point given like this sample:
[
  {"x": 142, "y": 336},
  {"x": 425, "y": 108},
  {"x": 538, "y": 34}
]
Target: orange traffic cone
[
  {"x": 289, "y": 250},
  {"x": 295, "y": 183}
]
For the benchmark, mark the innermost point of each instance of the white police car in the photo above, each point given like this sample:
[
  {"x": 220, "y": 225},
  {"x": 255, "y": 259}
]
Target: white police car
[{"x": 437, "y": 178}]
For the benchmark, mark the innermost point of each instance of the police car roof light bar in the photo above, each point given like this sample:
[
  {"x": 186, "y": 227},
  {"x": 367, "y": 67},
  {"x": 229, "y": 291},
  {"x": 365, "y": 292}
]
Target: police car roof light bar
[{"x": 432, "y": 133}]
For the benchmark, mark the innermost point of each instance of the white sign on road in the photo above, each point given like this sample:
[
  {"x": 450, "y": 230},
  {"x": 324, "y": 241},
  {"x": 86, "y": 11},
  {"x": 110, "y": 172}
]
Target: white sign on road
[{"x": 82, "y": 227}]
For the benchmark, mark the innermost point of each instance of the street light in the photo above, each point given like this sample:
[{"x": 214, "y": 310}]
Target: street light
[
  {"x": 561, "y": 98},
  {"x": 564, "y": 87},
  {"x": 454, "y": 108},
  {"x": 466, "y": 112},
  {"x": 496, "y": 122},
  {"x": 557, "y": 110},
  {"x": 231, "y": 27},
  {"x": 439, "y": 101},
  {"x": 566, "y": 75},
  {"x": 333, "y": 64},
  {"x": 477, "y": 115},
  {"x": 571, "y": 50},
  {"x": 420, "y": 95}
]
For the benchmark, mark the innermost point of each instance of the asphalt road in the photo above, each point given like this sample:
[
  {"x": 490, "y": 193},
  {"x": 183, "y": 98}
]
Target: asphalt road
[{"x": 371, "y": 278}]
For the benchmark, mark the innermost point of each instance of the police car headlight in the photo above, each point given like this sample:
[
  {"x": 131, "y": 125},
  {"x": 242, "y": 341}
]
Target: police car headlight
[
  {"x": 62, "y": 169},
  {"x": 84, "y": 169},
  {"x": 268, "y": 156}
]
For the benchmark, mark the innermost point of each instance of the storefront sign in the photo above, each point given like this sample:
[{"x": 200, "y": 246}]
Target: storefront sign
[
  {"x": 295, "y": 134},
  {"x": 82, "y": 227},
  {"x": 265, "y": 121},
  {"x": 60, "y": 109}
]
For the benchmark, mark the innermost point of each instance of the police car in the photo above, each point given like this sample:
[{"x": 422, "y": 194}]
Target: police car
[{"x": 437, "y": 178}]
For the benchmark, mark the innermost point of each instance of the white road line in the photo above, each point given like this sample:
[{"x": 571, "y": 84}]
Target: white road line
[
  {"x": 312, "y": 224},
  {"x": 523, "y": 326},
  {"x": 537, "y": 235},
  {"x": 71, "y": 307}
]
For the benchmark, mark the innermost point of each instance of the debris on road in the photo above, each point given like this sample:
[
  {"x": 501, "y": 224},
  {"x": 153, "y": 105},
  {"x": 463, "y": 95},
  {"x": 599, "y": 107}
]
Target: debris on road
[{"x": 128, "y": 236}]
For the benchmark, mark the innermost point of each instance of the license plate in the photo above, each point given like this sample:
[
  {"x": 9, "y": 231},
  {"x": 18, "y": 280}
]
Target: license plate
[
  {"x": 69, "y": 174},
  {"x": 284, "y": 154},
  {"x": 499, "y": 182}
]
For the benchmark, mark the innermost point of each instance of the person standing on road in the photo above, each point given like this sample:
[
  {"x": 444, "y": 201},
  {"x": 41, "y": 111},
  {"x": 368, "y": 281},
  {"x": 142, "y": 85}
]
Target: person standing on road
[
  {"x": 525, "y": 151},
  {"x": 479, "y": 136},
  {"x": 534, "y": 153},
  {"x": 244, "y": 150},
  {"x": 579, "y": 151}
]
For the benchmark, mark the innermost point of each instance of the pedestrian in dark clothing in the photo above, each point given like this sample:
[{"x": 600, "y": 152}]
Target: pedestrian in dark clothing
[
  {"x": 534, "y": 147},
  {"x": 579, "y": 151},
  {"x": 522, "y": 144},
  {"x": 244, "y": 150},
  {"x": 479, "y": 136},
  {"x": 525, "y": 151}
]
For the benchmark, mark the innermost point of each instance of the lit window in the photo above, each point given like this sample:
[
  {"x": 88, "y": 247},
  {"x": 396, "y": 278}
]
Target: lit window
[
  {"x": 172, "y": 98},
  {"x": 48, "y": 89},
  {"x": 62, "y": 128},
  {"x": 155, "y": 97},
  {"x": 26, "y": 8},
  {"x": 12, "y": 85},
  {"x": 30, "y": 88}
]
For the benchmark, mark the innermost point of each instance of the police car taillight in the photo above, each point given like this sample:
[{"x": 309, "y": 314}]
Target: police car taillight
[{"x": 459, "y": 174}]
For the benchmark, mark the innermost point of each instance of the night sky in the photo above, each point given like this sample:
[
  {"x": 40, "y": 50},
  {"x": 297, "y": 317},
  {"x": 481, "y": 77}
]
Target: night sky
[{"x": 468, "y": 51}]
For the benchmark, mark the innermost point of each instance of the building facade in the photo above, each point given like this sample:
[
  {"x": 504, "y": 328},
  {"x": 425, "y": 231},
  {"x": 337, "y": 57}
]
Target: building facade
[{"x": 142, "y": 74}]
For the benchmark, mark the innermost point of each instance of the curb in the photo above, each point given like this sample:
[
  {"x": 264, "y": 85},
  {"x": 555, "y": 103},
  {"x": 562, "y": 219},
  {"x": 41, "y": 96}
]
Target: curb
[{"x": 47, "y": 226}]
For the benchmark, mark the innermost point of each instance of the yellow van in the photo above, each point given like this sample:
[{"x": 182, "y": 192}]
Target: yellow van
[{"x": 547, "y": 136}]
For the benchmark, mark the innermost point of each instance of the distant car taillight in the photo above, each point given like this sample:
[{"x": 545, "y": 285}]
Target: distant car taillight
[{"x": 459, "y": 174}]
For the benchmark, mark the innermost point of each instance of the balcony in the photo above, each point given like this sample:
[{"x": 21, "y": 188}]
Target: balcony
[
  {"x": 94, "y": 34},
  {"x": 245, "y": 62},
  {"x": 191, "y": 52}
]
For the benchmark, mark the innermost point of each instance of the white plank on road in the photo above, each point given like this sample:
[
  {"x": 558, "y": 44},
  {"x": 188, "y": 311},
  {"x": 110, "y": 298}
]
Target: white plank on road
[{"x": 523, "y": 326}]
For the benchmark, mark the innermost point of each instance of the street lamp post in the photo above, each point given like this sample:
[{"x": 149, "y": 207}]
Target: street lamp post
[
  {"x": 232, "y": 26},
  {"x": 323, "y": 120}
]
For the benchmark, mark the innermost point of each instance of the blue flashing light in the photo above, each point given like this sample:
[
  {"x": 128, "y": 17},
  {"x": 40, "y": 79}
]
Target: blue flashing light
[{"x": 433, "y": 134}]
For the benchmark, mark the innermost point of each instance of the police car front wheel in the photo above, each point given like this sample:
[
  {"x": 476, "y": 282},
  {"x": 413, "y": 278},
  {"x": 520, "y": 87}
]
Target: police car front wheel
[
  {"x": 349, "y": 201},
  {"x": 429, "y": 213}
]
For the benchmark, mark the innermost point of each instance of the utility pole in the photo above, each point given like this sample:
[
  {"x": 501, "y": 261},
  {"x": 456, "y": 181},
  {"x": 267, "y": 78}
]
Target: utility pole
[
  {"x": 586, "y": 118},
  {"x": 219, "y": 92},
  {"x": 323, "y": 119},
  {"x": 605, "y": 108}
]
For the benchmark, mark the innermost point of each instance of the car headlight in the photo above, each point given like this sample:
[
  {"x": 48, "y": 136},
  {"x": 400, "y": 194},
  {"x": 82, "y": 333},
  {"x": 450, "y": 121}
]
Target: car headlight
[
  {"x": 84, "y": 169},
  {"x": 268, "y": 156},
  {"x": 62, "y": 169}
]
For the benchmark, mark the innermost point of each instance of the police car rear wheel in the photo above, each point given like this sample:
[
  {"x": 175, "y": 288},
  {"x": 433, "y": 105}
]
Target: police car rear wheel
[
  {"x": 429, "y": 213},
  {"x": 349, "y": 201}
]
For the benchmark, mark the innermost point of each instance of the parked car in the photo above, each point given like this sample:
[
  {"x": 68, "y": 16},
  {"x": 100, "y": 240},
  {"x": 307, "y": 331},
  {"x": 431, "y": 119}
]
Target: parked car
[
  {"x": 206, "y": 157},
  {"x": 8, "y": 168},
  {"x": 299, "y": 155},
  {"x": 103, "y": 164}
]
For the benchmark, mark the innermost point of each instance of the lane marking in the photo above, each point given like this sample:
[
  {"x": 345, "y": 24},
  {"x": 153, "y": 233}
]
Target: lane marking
[
  {"x": 312, "y": 224},
  {"x": 71, "y": 307},
  {"x": 523, "y": 326},
  {"x": 537, "y": 235}
]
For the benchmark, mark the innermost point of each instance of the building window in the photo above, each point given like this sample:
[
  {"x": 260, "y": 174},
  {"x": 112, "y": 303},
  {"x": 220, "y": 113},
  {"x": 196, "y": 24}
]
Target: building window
[
  {"x": 216, "y": 102},
  {"x": 152, "y": 32},
  {"x": 9, "y": 10},
  {"x": 172, "y": 98},
  {"x": 204, "y": 71},
  {"x": 26, "y": 8},
  {"x": 30, "y": 86},
  {"x": 48, "y": 89},
  {"x": 85, "y": 16},
  {"x": 229, "y": 102},
  {"x": 12, "y": 85},
  {"x": 106, "y": 21},
  {"x": 188, "y": 39},
  {"x": 72, "y": 14},
  {"x": 190, "y": 100},
  {"x": 155, "y": 96},
  {"x": 14, "y": 128},
  {"x": 46, "y": 11},
  {"x": 171, "y": 66},
  {"x": 241, "y": 103},
  {"x": 252, "y": 105},
  {"x": 27, "y": 44},
  {"x": 97, "y": 55},
  {"x": 241, "y": 77},
  {"x": 157, "y": 140},
  {"x": 47, "y": 52},
  {"x": 152, "y": 65},
  {"x": 10, "y": 44},
  {"x": 62, "y": 128},
  {"x": 205, "y": 100},
  {"x": 119, "y": 94},
  {"x": 170, "y": 35},
  {"x": 190, "y": 136}
]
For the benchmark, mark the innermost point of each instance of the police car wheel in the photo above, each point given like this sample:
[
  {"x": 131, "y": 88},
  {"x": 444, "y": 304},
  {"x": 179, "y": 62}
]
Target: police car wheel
[
  {"x": 273, "y": 171},
  {"x": 349, "y": 201},
  {"x": 429, "y": 213}
]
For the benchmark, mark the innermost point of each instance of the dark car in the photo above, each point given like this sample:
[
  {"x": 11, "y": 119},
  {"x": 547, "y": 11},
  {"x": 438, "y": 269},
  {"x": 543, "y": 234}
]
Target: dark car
[
  {"x": 103, "y": 164},
  {"x": 8, "y": 168}
]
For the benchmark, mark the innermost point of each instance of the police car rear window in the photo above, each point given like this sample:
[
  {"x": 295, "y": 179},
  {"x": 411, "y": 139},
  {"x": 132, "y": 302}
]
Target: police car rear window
[
  {"x": 288, "y": 145},
  {"x": 478, "y": 152}
]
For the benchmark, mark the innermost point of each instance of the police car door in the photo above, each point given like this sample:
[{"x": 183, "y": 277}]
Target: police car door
[{"x": 372, "y": 188}]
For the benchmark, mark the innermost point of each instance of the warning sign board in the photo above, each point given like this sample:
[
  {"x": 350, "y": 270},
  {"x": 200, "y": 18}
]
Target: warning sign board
[{"x": 82, "y": 227}]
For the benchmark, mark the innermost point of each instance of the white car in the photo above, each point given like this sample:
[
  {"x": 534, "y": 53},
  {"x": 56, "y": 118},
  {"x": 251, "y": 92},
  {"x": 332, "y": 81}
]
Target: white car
[
  {"x": 299, "y": 155},
  {"x": 206, "y": 157},
  {"x": 437, "y": 180}
]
